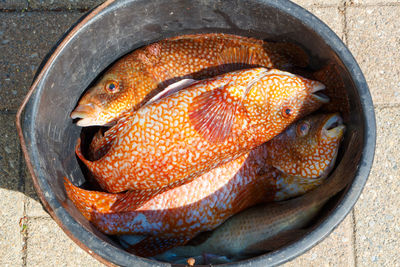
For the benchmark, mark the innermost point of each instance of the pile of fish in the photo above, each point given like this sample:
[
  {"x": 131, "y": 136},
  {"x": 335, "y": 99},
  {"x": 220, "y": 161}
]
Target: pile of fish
[{"x": 204, "y": 127}]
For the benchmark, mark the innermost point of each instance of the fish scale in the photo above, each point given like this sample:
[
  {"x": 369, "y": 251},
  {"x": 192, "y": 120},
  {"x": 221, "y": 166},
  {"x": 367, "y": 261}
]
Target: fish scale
[
  {"x": 148, "y": 70},
  {"x": 225, "y": 129},
  {"x": 184, "y": 211}
]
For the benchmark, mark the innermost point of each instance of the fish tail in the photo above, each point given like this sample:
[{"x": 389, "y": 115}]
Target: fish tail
[
  {"x": 86, "y": 201},
  {"x": 151, "y": 246}
]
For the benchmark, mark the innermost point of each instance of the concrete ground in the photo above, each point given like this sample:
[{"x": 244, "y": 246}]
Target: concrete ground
[{"x": 369, "y": 236}]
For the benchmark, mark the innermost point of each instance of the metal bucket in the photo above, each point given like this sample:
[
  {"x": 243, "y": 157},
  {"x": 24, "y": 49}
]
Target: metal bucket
[{"x": 48, "y": 136}]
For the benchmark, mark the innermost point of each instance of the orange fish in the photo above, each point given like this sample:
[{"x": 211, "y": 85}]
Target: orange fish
[
  {"x": 175, "y": 216},
  {"x": 261, "y": 228},
  {"x": 179, "y": 137},
  {"x": 138, "y": 76}
]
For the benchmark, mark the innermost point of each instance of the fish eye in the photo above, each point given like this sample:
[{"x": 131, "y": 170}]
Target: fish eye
[
  {"x": 112, "y": 86},
  {"x": 302, "y": 129},
  {"x": 287, "y": 112}
]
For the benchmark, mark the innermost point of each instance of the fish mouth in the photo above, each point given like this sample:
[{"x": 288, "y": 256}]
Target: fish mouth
[
  {"x": 86, "y": 113},
  {"x": 317, "y": 95},
  {"x": 334, "y": 126}
]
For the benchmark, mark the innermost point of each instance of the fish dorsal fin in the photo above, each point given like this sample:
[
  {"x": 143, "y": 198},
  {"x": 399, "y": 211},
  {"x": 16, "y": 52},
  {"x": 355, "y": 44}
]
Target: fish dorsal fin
[
  {"x": 237, "y": 58},
  {"x": 249, "y": 86},
  {"x": 214, "y": 112},
  {"x": 153, "y": 245},
  {"x": 274, "y": 242}
]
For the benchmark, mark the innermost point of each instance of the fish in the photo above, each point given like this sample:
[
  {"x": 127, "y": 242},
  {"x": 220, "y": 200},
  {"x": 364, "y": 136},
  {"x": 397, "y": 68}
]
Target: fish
[
  {"x": 179, "y": 137},
  {"x": 100, "y": 142},
  {"x": 263, "y": 228},
  {"x": 322, "y": 151},
  {"x": 177, "y": 215},
  {"x": 138, "y": 76}
]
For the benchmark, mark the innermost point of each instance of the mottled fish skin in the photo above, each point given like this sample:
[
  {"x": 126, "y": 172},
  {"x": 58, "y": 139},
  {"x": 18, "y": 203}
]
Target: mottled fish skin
[
  {"x": 146, "y": 71},
  {"x": 265, "y": 228},
  {"x": 305, "y": 161},
  {"x": 179, "y": 137},
  {"x": 257, "y": 225},
  {"x": 185, "y": 211},
  {"x": 309, "y": 163}
]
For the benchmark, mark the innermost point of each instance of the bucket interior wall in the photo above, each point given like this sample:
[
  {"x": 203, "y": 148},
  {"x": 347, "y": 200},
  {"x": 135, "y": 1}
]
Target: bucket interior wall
[{"x": 124, "y": 26}]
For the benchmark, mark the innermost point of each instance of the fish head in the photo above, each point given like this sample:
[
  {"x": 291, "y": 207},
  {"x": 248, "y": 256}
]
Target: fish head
[
  {"x": 108, "y": 99},
  {"x": 280, "y": 98},
  {"x": 308, "y": 148}
]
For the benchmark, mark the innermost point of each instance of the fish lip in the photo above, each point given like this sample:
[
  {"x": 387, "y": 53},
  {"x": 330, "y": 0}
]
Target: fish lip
[
  {"x": 333, "y": 126},
  {"x": 86, "y": 113},
  {"x": 316, "y": 93},
  {"x": 318, "y": 87},
  {"x": 83, "y": 110},
  {"x": 85, "y": 122},
  {"x": 320, "y": 97}
]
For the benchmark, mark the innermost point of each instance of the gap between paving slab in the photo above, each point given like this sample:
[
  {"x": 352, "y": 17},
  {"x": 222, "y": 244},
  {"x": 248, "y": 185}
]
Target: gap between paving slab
[
  {"x": 377, "y": 215},
  {"x": 380, "y": 105}
]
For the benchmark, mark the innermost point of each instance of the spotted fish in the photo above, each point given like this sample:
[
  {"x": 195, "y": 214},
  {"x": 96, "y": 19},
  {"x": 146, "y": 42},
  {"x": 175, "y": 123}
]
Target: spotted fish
[
  {"x": 135, "y": 78},
  {"x": 177, "y": 215},
  {"x": 261, "y": 228},
  {"x": 179, "y": 137}
]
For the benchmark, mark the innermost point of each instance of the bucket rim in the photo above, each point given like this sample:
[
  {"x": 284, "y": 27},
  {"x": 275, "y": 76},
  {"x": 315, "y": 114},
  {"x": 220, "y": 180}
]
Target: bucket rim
[{"x": 281, "y": 255}]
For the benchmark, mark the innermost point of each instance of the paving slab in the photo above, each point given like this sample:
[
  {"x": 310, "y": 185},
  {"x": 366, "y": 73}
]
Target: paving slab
[
  {"x": 48, "y": 245},
  {"x": 45, "y": 235},
  {"x": 9, "y": 154},
  {"x": 377, "y": 212},
  {"x": 374, "y": 39},
  {"x": 11, "y": 238},
  {"x": 307, "y": 3},
  {"x": 11, "y": 201},
  {"x": 331, "y": 16},
  {"x": 13, "y": 4},
  {"x": 338, "y": 244},
  {"x": 372, "y": 2},
  {"x": 25, "y": 39},
  {"x": 336, "y": 250},
  {"x": 33, "y": 206},
  {"x": 63, "y": 4}
]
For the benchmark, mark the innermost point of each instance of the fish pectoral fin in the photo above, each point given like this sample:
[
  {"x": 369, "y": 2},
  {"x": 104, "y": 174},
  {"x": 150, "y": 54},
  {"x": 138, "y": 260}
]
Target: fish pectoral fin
[
  {"x": 274, "y": 242},
  {"x": 213, "y": 114},
  {"x": 97, "y": 146},
  {"x": 152, "y": 245},
  {"x": 134, "y": 199}
]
